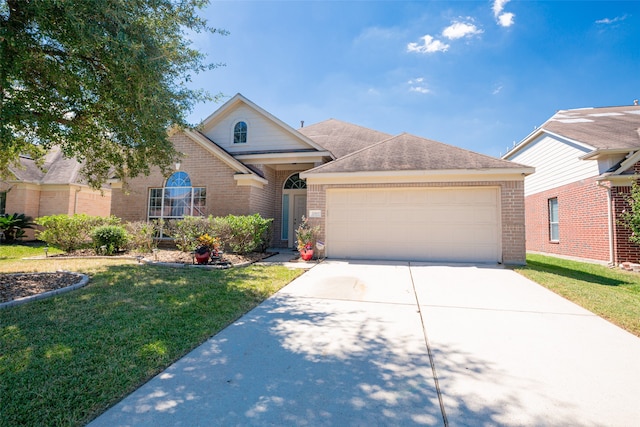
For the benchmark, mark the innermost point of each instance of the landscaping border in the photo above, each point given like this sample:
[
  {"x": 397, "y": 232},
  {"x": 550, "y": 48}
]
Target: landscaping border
[{"x": 84, "y": 279}]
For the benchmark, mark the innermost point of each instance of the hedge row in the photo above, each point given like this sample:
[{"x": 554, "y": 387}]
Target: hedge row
[{"x": 107, "y": 235}]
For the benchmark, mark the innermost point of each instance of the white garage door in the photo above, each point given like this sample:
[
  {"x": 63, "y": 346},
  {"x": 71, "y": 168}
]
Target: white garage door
[{"x": 444, "y": 224}]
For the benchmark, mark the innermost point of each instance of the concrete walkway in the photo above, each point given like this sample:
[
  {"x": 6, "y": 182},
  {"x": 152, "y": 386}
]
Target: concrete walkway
[{"x": 350, "y": 344}]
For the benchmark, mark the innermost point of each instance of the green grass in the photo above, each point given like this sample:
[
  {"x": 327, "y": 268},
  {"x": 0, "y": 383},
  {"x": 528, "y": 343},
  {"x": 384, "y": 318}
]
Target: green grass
[
  {"x": 66, "y": 359},
  {"x": 18, "y": 251},
  {"x": 613, "y": 294}
]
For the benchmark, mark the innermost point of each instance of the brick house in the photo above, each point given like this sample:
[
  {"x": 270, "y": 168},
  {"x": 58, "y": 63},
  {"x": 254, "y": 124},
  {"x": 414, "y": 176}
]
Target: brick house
[
  {"x": 373, "y": 195},
  {"x": 585, "y": 162},
  {"x": 55, "y": 188}
]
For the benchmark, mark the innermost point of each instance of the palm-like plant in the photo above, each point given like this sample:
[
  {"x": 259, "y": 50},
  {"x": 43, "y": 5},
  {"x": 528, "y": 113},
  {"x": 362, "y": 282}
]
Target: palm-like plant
[{"x": 13, "y": 226}]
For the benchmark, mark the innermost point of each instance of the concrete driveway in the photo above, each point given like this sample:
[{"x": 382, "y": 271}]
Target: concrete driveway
[{"x": 368, "y": 344}]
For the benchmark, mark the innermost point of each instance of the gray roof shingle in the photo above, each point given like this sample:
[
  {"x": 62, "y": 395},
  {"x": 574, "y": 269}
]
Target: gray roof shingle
[
  {"x": 342, "y": 138},
  {"x": 407, "y": 152},
  {"x": 606, "y": 128}
]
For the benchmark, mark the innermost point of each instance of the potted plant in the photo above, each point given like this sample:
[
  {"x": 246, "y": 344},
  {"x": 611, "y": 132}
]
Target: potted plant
[
  {"x": 306, "y": 236},
  {"x": 207, "y": 247}
]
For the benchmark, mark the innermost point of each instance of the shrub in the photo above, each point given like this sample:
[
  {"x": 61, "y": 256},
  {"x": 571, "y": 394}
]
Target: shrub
[
  {"x": 243, "y": 234},
  {"x": 108, "y": 239},
  {"x": 186, "y": 231},
  {"x": 71, "y": 232},
  {"x": 142, "y": 235},
  {"x": 12, "y": 226}
]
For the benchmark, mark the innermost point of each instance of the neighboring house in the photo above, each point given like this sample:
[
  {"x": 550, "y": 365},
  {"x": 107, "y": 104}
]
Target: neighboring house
[
  {"x": 55, "y": 188},
  {"x": 373, "y": 195},
  {"x": 585, "y": 162}
]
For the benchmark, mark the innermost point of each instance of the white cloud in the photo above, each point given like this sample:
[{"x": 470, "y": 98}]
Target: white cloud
[
  {"x": 416, "y": 85},
  {"x": 428, "y": 45},
  {"x": 505, "y": 19},
  {"x": 419, "y": 89},
  {"x": 497, "y": 90},
  {"x": 458, "y": 30},
  {"x": 609, "y": 21}
]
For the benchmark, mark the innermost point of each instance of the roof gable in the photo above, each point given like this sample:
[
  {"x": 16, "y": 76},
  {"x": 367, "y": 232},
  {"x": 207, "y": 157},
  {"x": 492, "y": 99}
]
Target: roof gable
[
  {"x": 407, "y": 152},
  {"x": 265, "y": 132}
]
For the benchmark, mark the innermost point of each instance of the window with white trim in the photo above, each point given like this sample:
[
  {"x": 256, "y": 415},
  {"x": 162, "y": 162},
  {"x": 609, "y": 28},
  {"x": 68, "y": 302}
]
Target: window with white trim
[
  {"x": 177, "y": 199},
  {"x": 240, "y": 133},
  {"x": 554, "y": 220}
]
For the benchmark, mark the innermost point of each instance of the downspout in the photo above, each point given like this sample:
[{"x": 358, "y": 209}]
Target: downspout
[
  {"x": 609, "y": 223},
  {"x": 75, "y": 202}
]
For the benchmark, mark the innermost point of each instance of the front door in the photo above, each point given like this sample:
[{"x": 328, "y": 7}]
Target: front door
[{"x": 299, "y": 210}]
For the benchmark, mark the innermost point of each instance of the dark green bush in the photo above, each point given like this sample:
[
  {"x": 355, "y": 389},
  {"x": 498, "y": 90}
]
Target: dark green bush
[
  {"x": 12, "y": 226},
  {"x": 71, "y": 232},
  {"x": 109, "y": 239},
  {"x": 247, "y": 233}
]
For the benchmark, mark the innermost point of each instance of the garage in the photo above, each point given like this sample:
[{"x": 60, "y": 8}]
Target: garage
[{"x": 460, "y": 224}]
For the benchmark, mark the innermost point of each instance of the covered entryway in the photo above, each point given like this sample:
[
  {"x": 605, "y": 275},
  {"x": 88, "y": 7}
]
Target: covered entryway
[{"x": 422, "y": 224}]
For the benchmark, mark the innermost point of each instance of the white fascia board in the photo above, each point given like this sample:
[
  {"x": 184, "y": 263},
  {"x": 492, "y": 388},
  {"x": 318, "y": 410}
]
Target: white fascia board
[
  {"x": 596, "y": 154},
  {"x": 251, "y": 180},
  {"x": 619, "y": 180},
  {"x": 276, "y": 158},
  {"x": 523, "y": 143},
  {"x": 225, "y": 157},
  {"x": 419, "y": 176},
  {"x": 535, "y": 135}
]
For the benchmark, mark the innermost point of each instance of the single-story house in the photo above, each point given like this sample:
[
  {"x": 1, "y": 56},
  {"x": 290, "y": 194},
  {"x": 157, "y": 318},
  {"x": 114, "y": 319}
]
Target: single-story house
[
  {"x": 585, "y": 161},
  {"x": 57, "y": 187},
  {"x": 373, "y": 195}
]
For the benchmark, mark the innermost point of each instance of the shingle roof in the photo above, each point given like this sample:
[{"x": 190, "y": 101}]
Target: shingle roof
[
  {"x": 342, "y": 138},
  {"x": 602, "y": 128},
  {"x": 56, "y": 169},
  {"x": 407, "y": 152}
]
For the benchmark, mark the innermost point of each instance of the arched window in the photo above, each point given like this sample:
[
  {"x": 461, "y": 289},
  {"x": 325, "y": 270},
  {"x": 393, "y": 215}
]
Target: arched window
[
  {"x": 294, "y": 182},
  {"x": 177, "y": 199},
  {"x": 240, "y": 133},
  {"x": 179, "y": 179}
]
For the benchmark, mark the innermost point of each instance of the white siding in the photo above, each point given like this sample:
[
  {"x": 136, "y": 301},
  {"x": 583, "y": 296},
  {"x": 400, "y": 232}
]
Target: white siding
[
  {"x": 557, "y": 163},
  {"x": 262, "y": 133}
]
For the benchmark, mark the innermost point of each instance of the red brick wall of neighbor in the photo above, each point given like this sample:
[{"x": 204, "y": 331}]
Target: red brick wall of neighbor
[
  {"x": 625, "y": 251},
  {"x": 583, "y": 221}
]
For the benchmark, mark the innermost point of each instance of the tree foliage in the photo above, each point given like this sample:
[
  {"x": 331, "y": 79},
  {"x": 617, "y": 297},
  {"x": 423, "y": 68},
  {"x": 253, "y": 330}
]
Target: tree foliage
[
  {"x": 630, "y": 218},
  {"x": 104, "y": 79}
]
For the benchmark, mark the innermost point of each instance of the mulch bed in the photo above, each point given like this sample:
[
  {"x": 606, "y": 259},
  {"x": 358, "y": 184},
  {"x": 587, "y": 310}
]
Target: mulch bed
[{"x": 20, "y": 285}]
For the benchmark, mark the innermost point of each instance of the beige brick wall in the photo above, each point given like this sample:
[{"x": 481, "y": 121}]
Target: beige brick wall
[
  {"x": 512, "y": 210},
  {"x": 224, "y": 196}
]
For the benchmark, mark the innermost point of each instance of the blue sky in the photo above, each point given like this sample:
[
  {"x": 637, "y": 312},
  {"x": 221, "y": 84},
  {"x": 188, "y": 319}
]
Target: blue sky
[{"x": 475, "y": 74}]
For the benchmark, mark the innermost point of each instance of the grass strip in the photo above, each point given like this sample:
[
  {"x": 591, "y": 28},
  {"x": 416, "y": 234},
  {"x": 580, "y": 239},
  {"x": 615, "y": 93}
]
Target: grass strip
[{"x": 610, "y": 293}]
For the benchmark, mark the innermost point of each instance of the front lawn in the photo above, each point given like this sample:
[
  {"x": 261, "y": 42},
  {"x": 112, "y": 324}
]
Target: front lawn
[
  {"x": 610, "y": 293},
  {"x": 66, "y": 359}
]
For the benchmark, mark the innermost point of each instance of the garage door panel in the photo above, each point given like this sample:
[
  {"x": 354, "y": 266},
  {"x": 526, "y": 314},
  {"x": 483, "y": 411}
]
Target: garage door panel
[{"x": 414, "y": 224}]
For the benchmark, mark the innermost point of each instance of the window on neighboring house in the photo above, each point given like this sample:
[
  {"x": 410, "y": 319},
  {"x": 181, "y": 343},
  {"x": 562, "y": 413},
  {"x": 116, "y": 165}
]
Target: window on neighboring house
[
  {"x": 3, "y": 202},
  {"x": 240, "y": 133},
  {"x": 554, "y": 232},
  {"x": 176, "y": 199}
]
